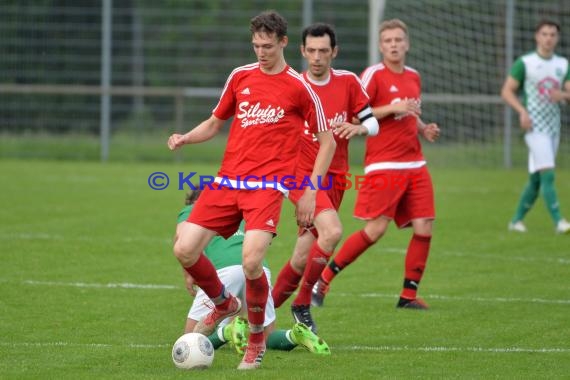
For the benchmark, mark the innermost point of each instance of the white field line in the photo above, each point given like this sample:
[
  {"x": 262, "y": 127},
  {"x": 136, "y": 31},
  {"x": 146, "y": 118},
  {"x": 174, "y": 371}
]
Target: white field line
[
  {"x": 494, "y": 350},
  {"x": 361, "y": 295},
  {"x": 95, "y": 285}
]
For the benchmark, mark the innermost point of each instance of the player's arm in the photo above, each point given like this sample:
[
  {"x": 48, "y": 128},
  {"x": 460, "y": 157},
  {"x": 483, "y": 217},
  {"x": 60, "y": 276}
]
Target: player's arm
[
  {"x": 203, "y": 132},
  {"x": 509, "y": 95},
  {"x": 404, "y": 107},
  {"x": 429, "y": 131},
  {"x": 306, "y": 205},
  {"x": 365, "y": 125}
]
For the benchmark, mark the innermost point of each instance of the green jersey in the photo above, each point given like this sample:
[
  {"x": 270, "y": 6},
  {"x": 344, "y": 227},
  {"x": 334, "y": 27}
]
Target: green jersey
[
  {"x": 221, "y": 252},
  {"x": 537, "y": 77}
]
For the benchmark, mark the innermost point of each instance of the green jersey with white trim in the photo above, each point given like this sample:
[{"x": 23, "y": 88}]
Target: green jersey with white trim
[
  {"x": 537, "y": 76},
  {"x": 221, "y": 252}
]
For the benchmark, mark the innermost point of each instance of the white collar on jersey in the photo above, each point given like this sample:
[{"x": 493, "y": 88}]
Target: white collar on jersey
[{"x": 318, "y": 82}]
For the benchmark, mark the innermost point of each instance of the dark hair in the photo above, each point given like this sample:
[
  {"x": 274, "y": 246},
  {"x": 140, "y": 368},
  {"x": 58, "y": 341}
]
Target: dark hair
[
  {"x": 269, "y": 22},
  {"x": 192, "y": 196},
  {"x": 319, "y": 29},
  {"x": 545, "y": 22}
]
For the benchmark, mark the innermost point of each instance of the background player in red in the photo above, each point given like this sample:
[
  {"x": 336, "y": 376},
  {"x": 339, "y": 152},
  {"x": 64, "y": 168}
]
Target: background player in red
[
  {"x": 398, "y": 185},
  {"x": 344, "y": 99},
  {"x": 270, "y": 103}
]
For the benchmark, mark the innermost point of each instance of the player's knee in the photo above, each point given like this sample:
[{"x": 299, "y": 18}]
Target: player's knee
[
  {"x": 329, "y": 237},
  {"x": 185, "y": 254}
]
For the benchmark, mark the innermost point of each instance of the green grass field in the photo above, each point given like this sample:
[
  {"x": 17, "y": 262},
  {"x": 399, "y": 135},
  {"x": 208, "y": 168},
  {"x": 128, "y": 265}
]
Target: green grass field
[{"x": 89, "y": 287}]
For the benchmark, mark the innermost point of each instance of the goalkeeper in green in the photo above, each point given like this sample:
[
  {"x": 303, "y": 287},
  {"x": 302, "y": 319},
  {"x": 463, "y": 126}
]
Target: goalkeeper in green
[
  {"x": 544, "y": 78},
  {"x": 226, "y": 256}
]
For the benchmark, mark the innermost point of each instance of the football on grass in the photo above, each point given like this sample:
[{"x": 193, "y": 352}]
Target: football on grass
[{"x": 193, "y": 351}]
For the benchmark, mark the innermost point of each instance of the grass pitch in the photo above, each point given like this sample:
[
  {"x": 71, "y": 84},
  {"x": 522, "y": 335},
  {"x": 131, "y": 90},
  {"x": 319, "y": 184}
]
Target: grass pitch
[{"x": 89, "y": 288}]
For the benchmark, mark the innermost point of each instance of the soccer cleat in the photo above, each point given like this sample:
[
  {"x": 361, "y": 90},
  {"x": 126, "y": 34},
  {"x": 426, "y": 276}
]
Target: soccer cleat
[
  {"x": 563, "y": 227},
  {"x": 253, "y": 356},
  {"x": 416, "y": 304},
  {"x": 236, "y": 334},
  {"x": 318, "y": 293},
  {"x": 207, "y": 325},
  {"x": 302, "y": 314},
  {"x": 303, "y": 336},
  {"x": 517, "y": 226}
]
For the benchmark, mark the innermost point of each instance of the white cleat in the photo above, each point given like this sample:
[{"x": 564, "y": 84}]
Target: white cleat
[
  {"x": 563, "y": 227},
  {"x": 517, "y": 226}
]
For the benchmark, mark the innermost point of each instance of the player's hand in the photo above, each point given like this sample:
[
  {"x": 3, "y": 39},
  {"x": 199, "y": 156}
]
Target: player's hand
[
  {"x": 175, "y": 141},
  {"x": 407, "y": 107},
  {"x": 431, "y": 132},
  {"x": 556, "y": 96},
  {"x": 347, "y": 130},
  {"x": 190, "y": 285},
  {"x": 305, "y": 211},
  {"x": 525, "y": 121}
]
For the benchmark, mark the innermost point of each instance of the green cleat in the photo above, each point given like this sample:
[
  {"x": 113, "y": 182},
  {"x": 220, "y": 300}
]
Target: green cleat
[
  {"x": 236, "y": 334},
  {"x": 303, "y": 336}
]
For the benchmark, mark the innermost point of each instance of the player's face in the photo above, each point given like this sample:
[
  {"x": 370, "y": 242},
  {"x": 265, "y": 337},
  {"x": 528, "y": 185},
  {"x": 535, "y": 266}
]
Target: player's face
[
  {"x": 394, "y": 45},
  {"x": 268, "y": 49},
  {"x": 319, "y": 55},
  {"x": 546, "y": 39}
]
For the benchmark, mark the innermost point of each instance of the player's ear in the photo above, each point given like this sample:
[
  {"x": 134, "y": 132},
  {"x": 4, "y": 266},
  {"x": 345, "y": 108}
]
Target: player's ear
[
  {"x": 335, "y": 51},
  {"x": 284, "y": 41}
]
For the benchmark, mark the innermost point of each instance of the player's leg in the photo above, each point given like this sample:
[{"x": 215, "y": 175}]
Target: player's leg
[
  {"x": 214, "y": 212},
  {"x": 544, "y": 153},
  {"x": 292, "y": 272},
  {"x": 526, "y": 201},
  {"x": 329, "y": 231},
  {"x": 416, "y": 208},
  {"x": 261, "y": 210}
]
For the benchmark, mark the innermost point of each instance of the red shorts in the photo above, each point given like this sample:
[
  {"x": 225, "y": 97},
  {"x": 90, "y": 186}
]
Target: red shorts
[
  {"x": 336, "y": 191},
  {"x": 401, "y": 195},
  {"x": 322, "y": 202},
  {"x": 222, "y": 209}
]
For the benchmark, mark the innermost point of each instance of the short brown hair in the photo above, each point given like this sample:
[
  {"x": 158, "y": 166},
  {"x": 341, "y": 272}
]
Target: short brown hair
[
  {"x": 545, "y": 22},
  {"x": 394, "y": 23},
  {"x": 269, "y": 22}
]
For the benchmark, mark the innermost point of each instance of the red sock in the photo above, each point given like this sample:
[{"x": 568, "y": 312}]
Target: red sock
[
  {"x": 316, "y": 262},
  {"x": 416, "y": 259},
  {"x": 352, "y": 248},
  {"x": 256, "y": 292},
  {"x": 286, "y": 283},
  {"x": 207, "y": 279}
]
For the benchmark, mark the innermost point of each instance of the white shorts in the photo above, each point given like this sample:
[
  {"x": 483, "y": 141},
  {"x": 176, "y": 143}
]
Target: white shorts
[
  {"x": 542, "y": 150},
  {"x": 234, "y": 280}
]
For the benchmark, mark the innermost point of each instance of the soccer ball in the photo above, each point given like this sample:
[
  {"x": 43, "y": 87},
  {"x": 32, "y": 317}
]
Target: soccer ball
[{"x": 193, "y": 351}]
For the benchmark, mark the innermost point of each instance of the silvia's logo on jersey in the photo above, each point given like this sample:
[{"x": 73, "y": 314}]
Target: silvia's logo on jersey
[
  {"x": 546, "y": 85},
  {"x": 255, "y": 114},
  {"x": 337, "y": 119}
]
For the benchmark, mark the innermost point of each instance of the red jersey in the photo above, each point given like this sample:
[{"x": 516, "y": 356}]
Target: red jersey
[
  {"x": 269, "y": 114},
  {"x": 397, "y": 145},
  {"x": 343, "y": 97}
]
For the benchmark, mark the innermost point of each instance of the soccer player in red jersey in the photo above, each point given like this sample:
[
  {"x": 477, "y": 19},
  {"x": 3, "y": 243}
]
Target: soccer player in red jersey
[
  {"x": 398, "y": 185},
  {"x": 344, "y": 99},
  {"x": 270, "y": 103}
]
